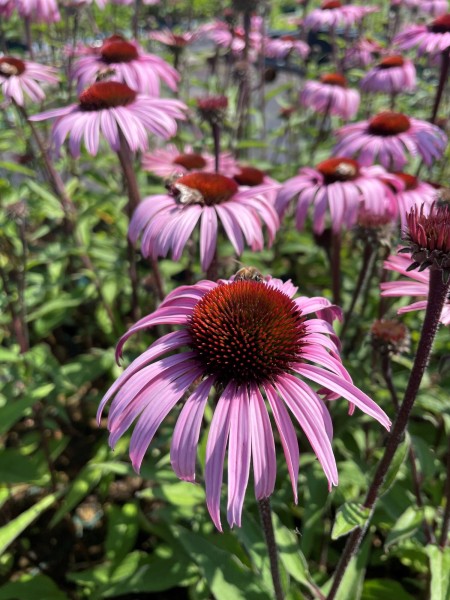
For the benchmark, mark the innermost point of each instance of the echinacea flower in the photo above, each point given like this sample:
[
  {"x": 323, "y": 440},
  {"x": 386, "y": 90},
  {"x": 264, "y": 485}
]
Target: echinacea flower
[
  {"x": 120, "y": 60},
  {"x": 233, "y": 38},
  {"x": 413, "y": 192},
  {"x": 174, "y": 40},
  {"x": 166, "y": 221},
  {"x": 113, "y": 109},
  {"x": 334, "y": 13},
  {"x": 392, "y": 75},
  {"x": 22, "y": 77},
  {"x": 338, "y": 186},
  {"x": 285, "y": 46},
  {"x": 434, "y": 8},
  {"x": 330, "y": 95},
  {"x": 7, "y": 8},
  {"x": 429, "y": 39},
  {"x": 38, "y": 11},
  {"x": 362, "y": 53},
  {"x": 388, "y": 138},
  {"x": 169, "y": 161},
  {"x": 254, "y": 344}
]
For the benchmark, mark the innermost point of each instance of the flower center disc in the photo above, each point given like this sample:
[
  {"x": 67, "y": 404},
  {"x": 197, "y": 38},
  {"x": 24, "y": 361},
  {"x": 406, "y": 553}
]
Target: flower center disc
[
  {"x": 391, "y": 61},
  {"x": 10, "y": 66},
  {"x": 212, "y": 187},
  {"x": 106, "y": 94},
  {"x": 118, "y": 51},
  {"x": 409, "y": 181},
  {"x": 338, "y": 169},
  {"x": 389, "y": 123},
  {"x": 334, "y": 79},
  {"x": 247, "y": 332},
  {"x": 330, "y": 4},
  {"x": 389, "y": 330},
  {"x": 190, "y": 161},
  {"x": 249, "y": 176},
  {"x": 440, "y": 25}
]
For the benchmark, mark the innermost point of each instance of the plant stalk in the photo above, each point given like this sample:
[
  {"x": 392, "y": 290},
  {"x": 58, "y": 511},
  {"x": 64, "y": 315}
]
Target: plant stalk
[{"x": 267, "y": 525}]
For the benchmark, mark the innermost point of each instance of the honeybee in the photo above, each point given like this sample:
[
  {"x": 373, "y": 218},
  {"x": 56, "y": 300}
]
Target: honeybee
[
  {"x": 248, "y": 274},
  {"x": 186, "y": 195},
  {"x": 105, "y": 74}
]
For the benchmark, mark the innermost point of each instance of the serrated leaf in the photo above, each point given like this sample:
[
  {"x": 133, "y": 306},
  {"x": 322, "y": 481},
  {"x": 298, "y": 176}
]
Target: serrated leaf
[
  {"x": 407, "y": 524},
  {"x": 440, "y": 569},
  {"x": 348, "y": 517}
]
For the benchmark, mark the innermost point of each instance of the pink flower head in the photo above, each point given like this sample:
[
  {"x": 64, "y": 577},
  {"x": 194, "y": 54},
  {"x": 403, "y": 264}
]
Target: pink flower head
[
  {"x": 434, "y": 8},
  {"x": 250, "y": 340},
  {"x": 392, "y": 75},
  {"x": 284, "y": 46},
  {"x": 362, "y": 53},
  {"x": 120, "y": 60},
  {"x": 429, "y": 39},
  {"x": 333, "y": 13},
  {"x": 413, "y": 192},
  {"x": 331, "y": 95},
  {"x": 114, "y": 109},
  {"x": 167, "y": 221},
  {"x": 169, "y": 161},
  {"x": 233, "y": 38},
  {"x": 39, "y": 11},
  {"x": 389, "y": 137},
  {"x": 340, "y": 185},
  {"x": 174, "y": 40},
  {"x": 22, "y": 77},
  {"x": 417, "y": 284},
  {"x": 7, "y": 8}
]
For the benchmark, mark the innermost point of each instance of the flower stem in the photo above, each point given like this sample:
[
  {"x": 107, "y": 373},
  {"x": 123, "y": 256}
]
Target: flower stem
[
  {"x": 267, "y": 525},
  {"x": 336, "y": 267},
  {"x": 216, "y": 137},
  {"x": 445, "y": 65},
  {"x": 436, "y": 298}
]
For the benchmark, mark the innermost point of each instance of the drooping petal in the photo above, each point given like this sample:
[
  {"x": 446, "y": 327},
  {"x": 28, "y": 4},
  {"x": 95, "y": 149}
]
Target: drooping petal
[{"x": 263, "y": 446}]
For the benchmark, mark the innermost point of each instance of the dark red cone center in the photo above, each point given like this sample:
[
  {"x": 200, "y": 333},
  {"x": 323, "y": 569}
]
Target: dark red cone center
[
  {"x": 118, "y": 51},
  {"x": 204, "y": 188},
  {"x": 391, "y": 61},
  {"x": 249, "y": 176},
  {"x": 246, "y": 332},
  {"x": 338, "y": 169},
  {"x": 440, "y": 25},
  {"x": 410, "y": 182},
  {"x": 330, "y": 4},
  {"x": 389, "y": 123},
  {"x": 106, "y": 94},
  {"x": 10, "y": 66},
  {"x": 334, "y": 79},
  {"x": 190, "y": 161}
]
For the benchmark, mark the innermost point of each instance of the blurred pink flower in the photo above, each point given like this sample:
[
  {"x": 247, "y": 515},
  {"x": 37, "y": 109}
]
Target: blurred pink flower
[
  {"x": 254, "y": 343},
  {"x": 429, "y": 39},
  {"x": 7, "y": 8},
  {"x": 113, "y": 109},
  {"x": 331, "y": 95},
  {"x": 333, "y": 13},
  {"x": 392, "y": 75},
  {"x": 167, "y": 221},
  {"x": 38, "y": 11},
  {"x": 120, "y": 60},
  {"x": 388, "y": 138},
  {"x": 340, "y": 186},
  {"x": 169, "y": 161},
  {"x": 233, "y": 38},
  {"x": 362, "y": 53},
  {"x": 284, "y": 46},
  {"x": 412, "y": 192},
  {"x": 175, "y": 40},
  {"x": 435, "y": 8},
  {"x": 22, "y": 77}
]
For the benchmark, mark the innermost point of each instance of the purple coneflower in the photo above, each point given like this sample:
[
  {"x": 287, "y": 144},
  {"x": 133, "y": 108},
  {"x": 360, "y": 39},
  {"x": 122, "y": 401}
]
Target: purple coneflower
[
  {"x": 412, "y": 192},
  {"x": 7, "y": 8},
  {"x": 429, "y": 39},
  {"x": 169, "y": 161},
  {"x": 38, "y": 11},
  {"x": 120, "y": 60},
  {"x": 330, "y": 95},
  {"x": 362, "y": 53},
  {"x": 249, "y": 340},
  {"x": 114, "y": 109},
  {"x": 333, "y": 13},
  {"x": 337, "y": 185},
  {"x": 388, "y": 138},
  {"x": 284, "y": 46},
  {"x": 167, "y": 221},
  {"x": 19, "y": 77},
  {"x": 392, "y": 75},
  {"x": 174, "y": 40}
]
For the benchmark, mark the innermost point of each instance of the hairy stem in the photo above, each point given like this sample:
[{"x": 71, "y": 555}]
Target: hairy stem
[
  {"x": 445, "y": 65},
  {"x": 267, "y": 525}
]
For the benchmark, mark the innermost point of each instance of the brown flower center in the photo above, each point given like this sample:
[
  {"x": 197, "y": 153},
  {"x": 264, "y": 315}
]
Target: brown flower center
[
  {"x": 440, "y": 25},
  {"x": 389, "y": 123},
  {"x": 118, "y": 50},
  {"x": 10, "y": 66},
  {"x": 338, "y": 169},
  {"x": 334, "y": 79},
  {"x": 247, "y": 331},
  {"x": 249, "y": 176},
  {"x": 391, "y": 61},
  {"x": 330, "y": 4},
  {"x": 204, "y": 188},
  {"x": 389, "y": 330},
  {"x": 410, "y": 182},
  {"x": 190, "y": 161},
  {"x": 106, "y": 94}
]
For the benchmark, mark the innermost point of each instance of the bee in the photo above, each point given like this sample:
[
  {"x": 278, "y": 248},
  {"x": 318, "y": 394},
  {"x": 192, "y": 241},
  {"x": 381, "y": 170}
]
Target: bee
[
  {"x": 105, "y": 73},
  {"x": 186, "y": 195},
  {"x": 248, "y": 274}
]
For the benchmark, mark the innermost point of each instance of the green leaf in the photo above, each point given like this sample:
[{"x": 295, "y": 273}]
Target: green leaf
[
  {"x": 30, "y": 587},
  {"x": 397, "y": 462},
  {"x": 384, "y": 589},
  {"x": 123, "y": 527},
  {"x": 289, "y": 552},
  {"x": 17, "y": 468},
  {"x": 349, "y": 516},
  {"x": 352, "y": 582},
  {"x": 13, "y": 411},
  {"x": 227, "y": 577},
  {"x": 440, "y": 569},
  {"x": 408, "y": 523},
  {"x": 9, "y": 532}
]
